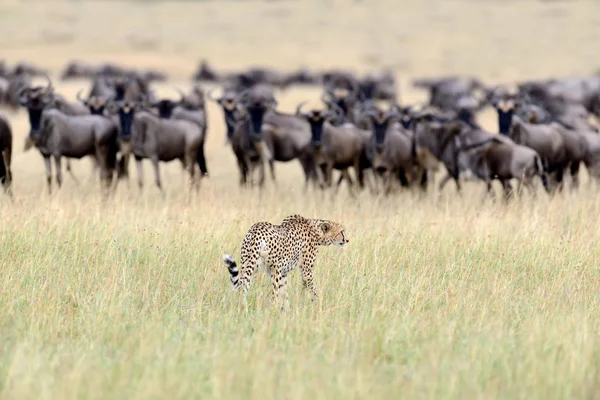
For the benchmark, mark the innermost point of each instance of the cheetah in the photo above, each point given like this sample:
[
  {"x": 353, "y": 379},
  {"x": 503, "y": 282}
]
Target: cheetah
[{"x": 282, "y": 248}]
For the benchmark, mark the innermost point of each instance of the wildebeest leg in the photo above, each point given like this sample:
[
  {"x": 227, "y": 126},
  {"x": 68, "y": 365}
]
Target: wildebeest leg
[
  {"x": 387, "y": 182},
  {"x": 191, "y": 169},
  {"x": 48, "y": 165},
  {"x": 351, "y": 187},
  {"x": 444, "y": 181},
  {"x": 272, "y": 170},
  {"x": 489, "y": 190},
  {"x": 202, "y": 161},
  {"x": 157, "y": 174},
  {"x": 140, "y": 171},
  {"x": 58, "y": 168},
  {"x": 575, "y": 174},
  {"x": 106, "y": 163},
  {"x": 5, "y": 172},
  {"x": 328, "y": 173},
  {"x": 424, "y": 179},
  {"x": 402, "y": 178},
  {"x": 321, "y": 178},
  {"x": 507, "y": 190},
  {"x": 243, "y": 171},
  {"x": 261, "y": 174},
  {"x": 71, "y": 174},
  {"x": 559, "y": 177}
]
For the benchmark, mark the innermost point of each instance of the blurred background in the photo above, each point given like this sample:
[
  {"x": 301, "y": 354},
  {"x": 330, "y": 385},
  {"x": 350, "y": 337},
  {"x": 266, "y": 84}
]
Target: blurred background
[{"x": 498, "y": 42}]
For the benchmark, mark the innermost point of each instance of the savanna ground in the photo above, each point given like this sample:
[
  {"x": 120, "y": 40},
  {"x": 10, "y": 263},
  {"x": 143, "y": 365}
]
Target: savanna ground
[{"x": 435, "y": 297}]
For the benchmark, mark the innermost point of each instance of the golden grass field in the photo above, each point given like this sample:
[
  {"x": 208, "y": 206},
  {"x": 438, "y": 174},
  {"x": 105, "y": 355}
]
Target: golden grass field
[{"x": 434, "y": 297}]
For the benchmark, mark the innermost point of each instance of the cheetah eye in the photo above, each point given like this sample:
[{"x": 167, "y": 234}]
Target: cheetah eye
[{"x": 325, "y": 227}]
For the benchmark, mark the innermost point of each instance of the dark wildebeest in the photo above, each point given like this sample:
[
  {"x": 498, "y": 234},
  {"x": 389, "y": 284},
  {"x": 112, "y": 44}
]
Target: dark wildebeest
[
  {"x": 260, "y": 134},
  {"x": 336, "y": 147},
  {"x": 546, "y": 139},
  {"x": 5, "y": 154},
  {"x": 205, "y": 73},
  {"x": 189, "y": 108},
  {"x": 148, "y": 136},
  {"x": 58, "y": 135},
  {"x": 342, "y": 92},
  {"x": 445, "y": 93},
  {"x": 391, "y": 149},
  {"x": 502, "y": 159},
  {"x": 382, "y": 87},
  {"x": 192, "y": 107}
]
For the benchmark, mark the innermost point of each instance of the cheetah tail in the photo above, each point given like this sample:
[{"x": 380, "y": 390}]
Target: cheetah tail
[{"x": 233, "y": 270}]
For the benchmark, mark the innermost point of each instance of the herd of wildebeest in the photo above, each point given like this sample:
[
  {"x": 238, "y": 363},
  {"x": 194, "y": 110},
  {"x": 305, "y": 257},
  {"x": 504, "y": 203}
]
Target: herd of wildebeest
[{"x": 546, "y": 128}]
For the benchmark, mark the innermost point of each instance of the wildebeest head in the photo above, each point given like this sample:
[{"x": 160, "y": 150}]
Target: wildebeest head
[
  {"x": 257, "y": 101},
  {"x": 341, "y": 94},
  {"x": 380, "y": 122},
  {"x": 436, "y": 133},
  {"x": 505, "y": 109},
  {"x": 165, "y": 107},
  {"x": 120, "y": 86},
  {"x": 96, "y": 104},
  {"x": 316, "y": 119},
  {"x": 229, "y": 103},
  {"x": 35, "y": 100},
  {"x": 408, "y": 115},
  {"x": 126, "y": 111},
  {"x": 194, "y": 100}
]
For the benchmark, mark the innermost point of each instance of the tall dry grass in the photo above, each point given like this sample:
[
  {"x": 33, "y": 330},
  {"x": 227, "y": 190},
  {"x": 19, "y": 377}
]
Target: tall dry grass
[{"x": 434, "y": 297}]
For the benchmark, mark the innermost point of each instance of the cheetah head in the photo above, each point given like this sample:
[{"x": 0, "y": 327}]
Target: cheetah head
[{"x": 330, "y": 232}]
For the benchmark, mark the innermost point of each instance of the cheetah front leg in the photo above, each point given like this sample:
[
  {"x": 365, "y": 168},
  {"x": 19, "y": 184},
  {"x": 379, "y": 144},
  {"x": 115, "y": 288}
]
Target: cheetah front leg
[
  {"x": 306, "y": 266},
  {"x": 279, "y": 292}
]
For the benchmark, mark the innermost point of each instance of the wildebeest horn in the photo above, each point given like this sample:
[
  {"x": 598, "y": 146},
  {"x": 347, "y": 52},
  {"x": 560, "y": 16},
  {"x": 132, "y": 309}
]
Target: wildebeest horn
[
  {"x": 49, "y": 87},
  {"x": 81, "y": 99},
  {"x": 181, "y": 94},
  {"x": 339, "y": 112},
  {"x": 324, "y": 98},
  {"x": 241, "y": 97},
  {"x": 298, "y": 109},
  {"x": 23, "y": 95},
  {"x": 372, "y": 113}
]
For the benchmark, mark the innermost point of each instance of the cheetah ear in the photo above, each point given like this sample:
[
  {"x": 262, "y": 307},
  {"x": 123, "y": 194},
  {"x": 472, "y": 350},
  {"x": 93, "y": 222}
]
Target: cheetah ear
[{"x": 325, "y": 227}]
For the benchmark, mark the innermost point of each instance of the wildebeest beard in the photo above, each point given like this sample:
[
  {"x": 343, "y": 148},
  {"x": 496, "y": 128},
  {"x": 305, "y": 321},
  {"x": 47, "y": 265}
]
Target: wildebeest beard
[
  {"x": 35, "y": 120},
  {"x": 316, "y": 128},
  {"x": 380, "y": 129},
  {"x": 504, "y": 121},
  {"x": 97, "y": 110},
  {"x": 229, "y": 122},
  {"x": 126, "y": 119},
  {"x": 257, "y": 114}
]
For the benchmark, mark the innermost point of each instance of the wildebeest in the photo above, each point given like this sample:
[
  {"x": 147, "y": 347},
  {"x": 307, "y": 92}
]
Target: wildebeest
[
  {"x": 148, "y": 136},
  {"x": 229, "y": 105},
  {"x": 497, "y": 158},
  {"x": 391, "y": 149},
  {"x": 56, "y": 134},
  {"x": 546, "y": 139},
  {"x": 336, "y": 147},
  {"x": 260, "y": 134},
  {"x": 341, "y": 92},
  {"x": 192, "y": 107},
  {"x": 10, "y": 87},
  {"x": 445, "y": 93},
  {"x": 5, "y": 154}
]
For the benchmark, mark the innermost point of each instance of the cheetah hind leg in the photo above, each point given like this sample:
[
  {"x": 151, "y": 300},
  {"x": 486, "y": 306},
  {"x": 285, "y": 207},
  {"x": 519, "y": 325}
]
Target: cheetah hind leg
[{"x": 279, "y": 293}]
